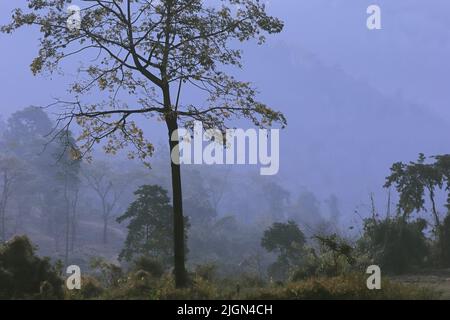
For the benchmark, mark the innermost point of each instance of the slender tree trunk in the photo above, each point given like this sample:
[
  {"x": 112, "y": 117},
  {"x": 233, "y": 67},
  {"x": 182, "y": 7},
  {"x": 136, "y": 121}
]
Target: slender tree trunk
[
  {"x": 2, "y": 219},
  {"x": 437, "y": 221},
  {"x": 73, "y": 222},
  {"x": 73, "y": 236},
  {"x": 105, "y": 229},
  {"x": 178, "y": 218},
  {"x": 67, "y": 235},
  {"x": 105, "y": 219},
  {"x": 3, "y": 202},
  {"x": 66, "y": 253}
]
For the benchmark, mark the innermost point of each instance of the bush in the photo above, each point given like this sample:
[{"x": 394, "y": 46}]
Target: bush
[
  {"x": 154, "y": 267},
  {"x": 139, "y": 285},
  {"x": 199, "y": 289},
  {"x": 251, "y": 280},
  {"x": 109, "y": 273},
  {"x": 342, "y": 288},
  {"x": 288, "y": 241},
  {"x": 23, "y": 275},
  {"x": 336, "y": 256},
  {"x": 91, "y": 288},
  {"x": 395, "y": 244},
  {"x": 206, "y": 271}
]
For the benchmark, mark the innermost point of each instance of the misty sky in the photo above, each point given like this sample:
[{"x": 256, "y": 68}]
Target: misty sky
[{"x": 356, "y": 100}]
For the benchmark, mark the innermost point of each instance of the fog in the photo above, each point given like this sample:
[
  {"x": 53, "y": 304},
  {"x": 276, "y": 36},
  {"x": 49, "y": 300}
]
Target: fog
[{"x": 356, "y": 101}]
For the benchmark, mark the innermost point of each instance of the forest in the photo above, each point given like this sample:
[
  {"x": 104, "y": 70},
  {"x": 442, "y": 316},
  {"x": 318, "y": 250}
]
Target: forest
[
  {"x": 113, "y": 218},
  {"x": 93, "y": 179}
]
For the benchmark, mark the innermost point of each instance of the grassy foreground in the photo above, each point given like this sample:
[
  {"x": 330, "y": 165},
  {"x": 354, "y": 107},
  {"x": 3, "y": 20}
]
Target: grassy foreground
[{"x": 143, "y": 286}]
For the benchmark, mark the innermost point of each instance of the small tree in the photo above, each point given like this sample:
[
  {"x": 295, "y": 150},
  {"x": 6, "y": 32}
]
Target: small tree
[
  {"x": 288, "y": 241},
  {"x": 412, "y": 181},
  {"x": 417, "y": 181},
  {"x": 150, "y": 225}
]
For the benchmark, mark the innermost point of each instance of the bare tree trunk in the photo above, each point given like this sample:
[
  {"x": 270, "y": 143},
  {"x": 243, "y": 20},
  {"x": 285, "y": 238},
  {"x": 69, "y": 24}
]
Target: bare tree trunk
[
  {"x": 73, "y": 222},
  {"x": 178, "y": 218},
  {"x": 73, "y": 236},
  {"x": 437, "y": 221},
  {"x": 3, "y": 202},
  {"x": 105, "y": 219},
  {"x": 105, "y": 229},
  {"x": 66, "y": 253},
  {"x": 67, "y": 233},
  {"x": 2, "y": 221}
]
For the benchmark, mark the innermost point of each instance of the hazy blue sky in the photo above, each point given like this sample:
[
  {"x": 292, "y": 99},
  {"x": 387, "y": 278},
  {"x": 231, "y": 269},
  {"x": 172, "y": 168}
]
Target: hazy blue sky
[{"x": 356, "y": 100}]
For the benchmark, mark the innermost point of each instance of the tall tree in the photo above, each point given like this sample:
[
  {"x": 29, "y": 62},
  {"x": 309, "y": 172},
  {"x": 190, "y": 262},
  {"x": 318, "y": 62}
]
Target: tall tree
[
  {"x": 54, "y": 163},
  {"x": 147, "y": 50},
  {"x": 413, "y": 181},
  {"x": 68, "y": 176},
  {"x": 419, "y": 181},
  {"x": 25, "y": 137}
]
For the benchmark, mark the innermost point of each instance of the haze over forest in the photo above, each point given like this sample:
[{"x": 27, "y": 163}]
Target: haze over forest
[{"x": 356, "y": 101}]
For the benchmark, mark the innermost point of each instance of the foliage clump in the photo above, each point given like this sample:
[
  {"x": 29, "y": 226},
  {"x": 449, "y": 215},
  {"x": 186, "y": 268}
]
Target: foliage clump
[
  {"x": 334, "y": 256},
  {"x": 149, "y": 265},
  {"x": 288, "y": 241},
  {"x": 150, "y": 227},
  {"x": 395, "y": 244},
  {"x": 23, "y": 275}
]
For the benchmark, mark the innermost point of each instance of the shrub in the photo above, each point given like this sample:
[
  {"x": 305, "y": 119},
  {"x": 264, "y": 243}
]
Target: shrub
[
  {"x": 91, "y": 288},
  {"x": 154, "y": 267},
  {"x": 199, "y": 289},
  {"x": 139, "y": 285},
  {"x": 395, "y": 244},
  {"x": 251, "y": 280},
  {"x": 352, "y": 286},
  {"x": 288, "y": 241},
  {"x": 335, "y": 256},
  {"x": 23, "y": 275},
  {"x": 206, "y": 271},
  {"x": 109, "y": 273}
]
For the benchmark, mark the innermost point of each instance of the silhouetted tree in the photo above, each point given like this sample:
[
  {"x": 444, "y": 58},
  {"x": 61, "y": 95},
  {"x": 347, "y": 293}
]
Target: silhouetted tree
[
  {"x": 394, "y": 244},
  {"x": 150, "y": 225},
  {"x": 417, "y": 181},
  {"x": 412, "y": 181},
  {"x": 288, "y": 241}
]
